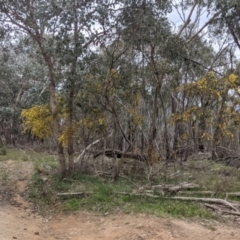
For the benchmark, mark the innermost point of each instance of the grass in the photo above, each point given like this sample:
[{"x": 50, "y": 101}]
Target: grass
[
  {"x": 39, "y": 192},
  {"x": 175, "y": 208},
  {"x": 208, "y": 174},
  {"x": 105, "y": 199},
  {"x": 28, "y": 155},
  {"x": 105, "y": 195},
  {"x": 12, "y": 154},
  {"x": 40, "y": 160}
]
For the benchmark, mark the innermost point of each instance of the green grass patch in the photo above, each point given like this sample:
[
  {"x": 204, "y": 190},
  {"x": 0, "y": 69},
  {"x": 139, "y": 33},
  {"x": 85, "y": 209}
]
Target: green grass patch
[
  {"x": 72, "y": 204},
  {"x": 104, "y": 200},
  {"x": 105, "y": 197},
  {"x": 163, "y": 207},
  {"x": 40, "y": 159}
]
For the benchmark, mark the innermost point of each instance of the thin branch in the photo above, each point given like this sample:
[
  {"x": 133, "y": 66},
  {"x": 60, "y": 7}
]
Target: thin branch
[
  {"x": 204, "y": 26},
  {"x": 188, "y": 19},
  {"x": 200, "y": 64}
]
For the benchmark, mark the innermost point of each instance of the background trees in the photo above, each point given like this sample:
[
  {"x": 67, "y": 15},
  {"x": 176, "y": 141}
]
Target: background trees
[{"x": 123, "y": 74}]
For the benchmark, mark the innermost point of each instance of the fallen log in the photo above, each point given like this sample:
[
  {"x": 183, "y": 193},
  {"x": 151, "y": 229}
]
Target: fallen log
[
  {"x": 205, "y": 200},
  {"x": 221, "y": 211},
  {"x": 74, "y": 194},
  {"x": 233, "y": 194},
  {"x": 208, "y": 200},
  {"x": 212, "y": 207},
  {"x": 120, "y": 154},
  {"x": 231, "y": 213},
  {"x": 173, "y": 189}
]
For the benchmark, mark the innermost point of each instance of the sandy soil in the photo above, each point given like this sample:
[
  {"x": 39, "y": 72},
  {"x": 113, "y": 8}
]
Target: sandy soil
[{"x": 19, "y": 221}]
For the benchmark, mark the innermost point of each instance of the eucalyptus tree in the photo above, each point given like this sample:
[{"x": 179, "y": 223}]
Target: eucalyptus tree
[
  {"x": 116, "y": 67},
  {"x": 22, "y": 83},
  {"x": 63, "y": 32},
  {"x": 227, "y": 22},
  {"x": 128, "y": 67},
  {"x": 146, "y": 30},
  {"x": 205, "y": 53}
]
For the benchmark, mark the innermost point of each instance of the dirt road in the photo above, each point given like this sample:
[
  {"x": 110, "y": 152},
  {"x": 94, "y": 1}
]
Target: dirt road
[
  {"x": 18, "y": 221},
  {"x": 21, "y": 224}
]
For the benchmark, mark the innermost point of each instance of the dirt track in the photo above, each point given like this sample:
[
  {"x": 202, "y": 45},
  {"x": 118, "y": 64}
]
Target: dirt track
[
  {"x": 17, "y": 221},
  {"x": 18, "y": 224}
]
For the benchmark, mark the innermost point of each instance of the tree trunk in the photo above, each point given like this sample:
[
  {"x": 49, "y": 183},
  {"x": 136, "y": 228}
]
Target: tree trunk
[
  {"x": 153, "y": 129},
  {"x": 54, "y": 110},
  {"x": 62, "y": 162},
  {"x": 168, "y": 151},
  {"x": 217, "y": 132},
  {"x": 71, "y": 97}
]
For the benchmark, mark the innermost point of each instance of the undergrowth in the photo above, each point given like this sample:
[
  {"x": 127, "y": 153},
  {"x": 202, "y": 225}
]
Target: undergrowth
[{"x": 101, "y": 194}]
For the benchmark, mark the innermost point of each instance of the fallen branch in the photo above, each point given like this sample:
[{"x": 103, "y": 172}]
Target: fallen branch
[
  {"x": 220, "y": 211},
  {"x": 120, "y": 154},
  {"x": 231, "y": 213},
  {"x": 74, "y": 194},
  {"x": 212, "y": 207},
  {"x": 88, "y": 147},
  {"x": 207, "y": 200},
  {"x": 233, "y": 194},
  {"x": 170, "y": 188}
]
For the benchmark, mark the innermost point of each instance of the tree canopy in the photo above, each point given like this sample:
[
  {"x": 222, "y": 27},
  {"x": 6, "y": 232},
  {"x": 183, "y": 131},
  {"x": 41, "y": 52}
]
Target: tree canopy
[{"x": 120, "y": 75}]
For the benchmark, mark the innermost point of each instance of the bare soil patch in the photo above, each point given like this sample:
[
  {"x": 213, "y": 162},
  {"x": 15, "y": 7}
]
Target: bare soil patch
[{"x": 19, "y": 220}]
